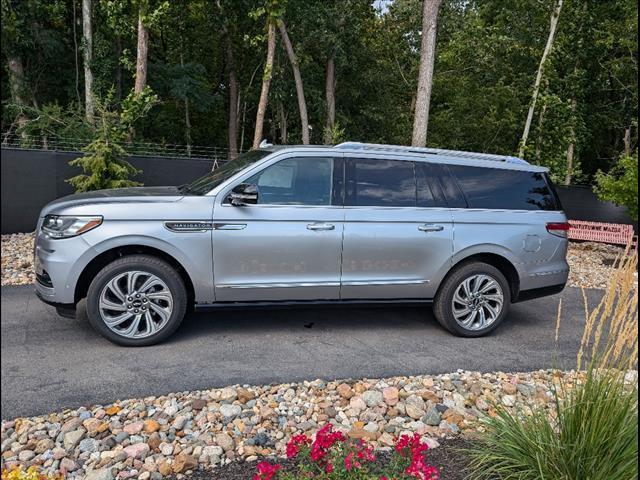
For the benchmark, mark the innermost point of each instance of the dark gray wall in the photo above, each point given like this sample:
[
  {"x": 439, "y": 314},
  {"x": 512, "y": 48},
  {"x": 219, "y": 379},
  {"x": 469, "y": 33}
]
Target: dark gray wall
[{"x": 32, "y": 178}]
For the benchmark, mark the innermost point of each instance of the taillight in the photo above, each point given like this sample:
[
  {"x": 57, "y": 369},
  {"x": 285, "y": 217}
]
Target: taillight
[{"x": 559, "y": 229}]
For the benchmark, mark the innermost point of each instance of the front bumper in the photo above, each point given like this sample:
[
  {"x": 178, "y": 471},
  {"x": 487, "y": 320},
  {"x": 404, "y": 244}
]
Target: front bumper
[
  {"x": 64, "y": 309},
  {"x": 58, "y": 264}
]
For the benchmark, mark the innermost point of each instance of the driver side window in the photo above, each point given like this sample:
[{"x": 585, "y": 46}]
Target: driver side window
[{"x": 295, "y": 181}]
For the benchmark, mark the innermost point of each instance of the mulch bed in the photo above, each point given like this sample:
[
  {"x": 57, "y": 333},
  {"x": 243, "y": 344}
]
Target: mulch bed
[{"x": 449, "y": 458}]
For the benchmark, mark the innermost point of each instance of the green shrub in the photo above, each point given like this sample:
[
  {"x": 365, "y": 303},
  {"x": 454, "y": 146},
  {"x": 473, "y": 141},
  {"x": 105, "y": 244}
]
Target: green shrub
[
  {"x": 592, "y": 433},
  {"x": 620, "y": 185},
  {"x": 105, "y": 166}
]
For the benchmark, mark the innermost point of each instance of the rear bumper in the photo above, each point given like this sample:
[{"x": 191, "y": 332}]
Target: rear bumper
[{"x": 532, "y": 293}]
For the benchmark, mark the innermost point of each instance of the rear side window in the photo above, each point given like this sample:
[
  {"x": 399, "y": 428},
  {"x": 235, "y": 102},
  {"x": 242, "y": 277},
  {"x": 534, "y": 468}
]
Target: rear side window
[
  {"x": 380, "y": 183},
  {"x": 429, "y": 189},
  {"x": 496, "y": 188}
]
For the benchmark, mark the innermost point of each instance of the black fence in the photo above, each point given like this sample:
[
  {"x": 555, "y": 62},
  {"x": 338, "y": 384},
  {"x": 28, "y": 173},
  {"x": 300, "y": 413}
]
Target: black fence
[{"x": 32, "y": 178}]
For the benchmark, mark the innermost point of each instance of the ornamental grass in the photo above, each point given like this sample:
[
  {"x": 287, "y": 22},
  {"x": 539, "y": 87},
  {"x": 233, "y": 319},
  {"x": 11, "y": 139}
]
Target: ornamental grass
[{"x": 592, "y": 431}]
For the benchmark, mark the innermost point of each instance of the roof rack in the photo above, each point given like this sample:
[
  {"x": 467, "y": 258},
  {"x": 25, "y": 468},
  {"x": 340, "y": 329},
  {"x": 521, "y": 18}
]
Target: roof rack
[{"x": 429, "y": 151}]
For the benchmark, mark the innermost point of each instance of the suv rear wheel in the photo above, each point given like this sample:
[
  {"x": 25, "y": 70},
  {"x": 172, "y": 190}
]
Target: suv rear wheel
[
  {"x": 136, "y": 300},
  {"x": 473, "y": 300}
]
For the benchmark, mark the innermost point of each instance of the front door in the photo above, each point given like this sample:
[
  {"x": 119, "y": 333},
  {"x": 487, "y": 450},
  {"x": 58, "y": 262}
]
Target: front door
[
  {"x": 398, "y": 233},
  {"x": 288, "y": 245}
]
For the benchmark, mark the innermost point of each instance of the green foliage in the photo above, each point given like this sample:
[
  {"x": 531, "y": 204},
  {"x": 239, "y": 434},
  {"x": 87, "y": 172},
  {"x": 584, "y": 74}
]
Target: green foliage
[
  {"x": 620, "y": 185},
  {"x": 595, "y": 436},
  {"x": 336, "y": 134},
  {"x": 487, "y": 55},
  {"x": 105, "y": 166}
]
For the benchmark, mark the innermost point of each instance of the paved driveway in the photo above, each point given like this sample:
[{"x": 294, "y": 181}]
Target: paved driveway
[{"x": 50, "y": 362}]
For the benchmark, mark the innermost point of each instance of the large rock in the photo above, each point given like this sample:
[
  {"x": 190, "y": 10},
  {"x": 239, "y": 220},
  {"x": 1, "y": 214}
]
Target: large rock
[
  {"x": 225, "y": 441},
  {"x": 137, "y": 450},
  {"x": 372, "y": 398},
  {"x": 345, "y": 391},
  {"x": 390, "y": 395},
  {"x": 71, "y": 439},
  {"x": 432, "y": 417},
  {"x": 414, "y": 407},
  {"x": 230, "y": 411},
  {"x": 184, "y": 462},
  {"x": 102, "y": 474}
]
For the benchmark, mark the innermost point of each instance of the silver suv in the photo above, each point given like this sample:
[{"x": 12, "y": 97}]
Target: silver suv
[{"x": 469, "y": 233}]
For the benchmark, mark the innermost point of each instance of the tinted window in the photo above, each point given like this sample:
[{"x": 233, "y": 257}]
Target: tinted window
[
  {"x": 380, "y": 183},
  {"x": 211, "y": 180},
  {"x": 295, "y": 181},
  {"x": 429, "y": 190},
  {"x": 504, "y": 189}
]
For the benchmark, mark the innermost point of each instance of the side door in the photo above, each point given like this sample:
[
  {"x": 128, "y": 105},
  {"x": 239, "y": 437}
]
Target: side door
[
  {"x": 398, "y": 231},
  {"x": 288, "y": 245}
]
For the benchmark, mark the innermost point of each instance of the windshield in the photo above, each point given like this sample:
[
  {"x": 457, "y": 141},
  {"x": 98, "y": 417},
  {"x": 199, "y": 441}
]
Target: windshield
[{"x": 211, "y": 180}]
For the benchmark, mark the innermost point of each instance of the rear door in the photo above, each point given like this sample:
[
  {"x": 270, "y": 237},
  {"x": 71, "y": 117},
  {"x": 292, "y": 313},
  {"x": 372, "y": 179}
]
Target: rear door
[{"x": 397, "y": 231}]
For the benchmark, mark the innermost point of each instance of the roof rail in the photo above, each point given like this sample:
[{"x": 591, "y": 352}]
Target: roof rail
[{"x": 429, "y": 151}]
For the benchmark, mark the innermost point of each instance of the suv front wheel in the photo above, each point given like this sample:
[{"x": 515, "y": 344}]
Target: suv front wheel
[
  {"x": 473, "y": 300},
  {"x": 136, "y": 300}
]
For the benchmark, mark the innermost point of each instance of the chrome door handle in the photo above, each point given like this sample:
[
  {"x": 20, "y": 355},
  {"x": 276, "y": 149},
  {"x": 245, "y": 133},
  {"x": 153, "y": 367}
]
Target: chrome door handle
[
  {"x": 229, "y": 226},
  {"x": 429, "y": 227},
  {"x": 320, "y": 226}
]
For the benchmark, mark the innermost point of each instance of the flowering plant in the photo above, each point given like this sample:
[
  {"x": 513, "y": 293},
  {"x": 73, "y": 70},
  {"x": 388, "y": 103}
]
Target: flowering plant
[
  {"x": 31, "y": 473},
  {"x": 331, "y": 455}
]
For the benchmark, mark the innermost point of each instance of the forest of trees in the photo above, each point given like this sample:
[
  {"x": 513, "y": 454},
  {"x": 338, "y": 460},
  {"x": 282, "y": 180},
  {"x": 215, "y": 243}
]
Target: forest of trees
[{"x": 552, "y": 80}]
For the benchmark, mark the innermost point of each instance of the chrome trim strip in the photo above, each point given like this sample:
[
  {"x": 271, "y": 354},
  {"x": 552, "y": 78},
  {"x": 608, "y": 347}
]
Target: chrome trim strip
[
  {"x": 383, "y": 282},
  {"x": 552, "y": 272},
  {"x": 279, "y": 285}
]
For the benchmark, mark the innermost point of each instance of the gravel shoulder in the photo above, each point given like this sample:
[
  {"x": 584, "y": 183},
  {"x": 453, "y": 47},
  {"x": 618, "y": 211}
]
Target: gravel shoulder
[
  {"x": 187, "y": 434},
  {"x": 591, "y": 263}
]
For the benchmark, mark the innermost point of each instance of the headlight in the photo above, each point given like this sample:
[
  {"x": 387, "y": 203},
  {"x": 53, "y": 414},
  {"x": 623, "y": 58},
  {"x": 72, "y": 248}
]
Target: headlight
[{"x": 62, "y": 226}]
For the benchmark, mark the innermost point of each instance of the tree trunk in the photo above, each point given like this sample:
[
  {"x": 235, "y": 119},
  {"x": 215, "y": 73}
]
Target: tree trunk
[
  {"x": 330, "y": 94},
  {"x": 75, "y": 53},
  {"x": 541, "y": 118},
  {"x": 118, "y": 69},
  {"x": 266, "y": 82},
  {"x": 302, "y": 103},
  {"x": 232, "y": 129},
  {"x": 143, "y": 50},
  {"x": 536, "y": 86},
  {"x": 627, "y": 141},
  {"x": 87, "y": 36},
  {"x": 425, "y": 76},
  {"x": 571, "y": 149},
  {"x": 187, "y": 118},
  {"x": 283, "y": 124},
  {"x": 16, "y": 83}
]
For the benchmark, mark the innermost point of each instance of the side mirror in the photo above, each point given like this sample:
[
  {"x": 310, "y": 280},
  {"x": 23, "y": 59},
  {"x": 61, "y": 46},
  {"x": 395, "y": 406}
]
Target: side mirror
[{"x": 244, "y": 194}]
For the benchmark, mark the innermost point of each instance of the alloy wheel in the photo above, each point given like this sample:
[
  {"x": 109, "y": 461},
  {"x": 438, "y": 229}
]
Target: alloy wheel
[{"x": 135, "y": 304}]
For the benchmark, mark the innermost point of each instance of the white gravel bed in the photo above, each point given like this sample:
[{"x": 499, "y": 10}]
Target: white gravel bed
[
  {"x": 591, "y": 263},
  {"x": 154, "y": 437}
]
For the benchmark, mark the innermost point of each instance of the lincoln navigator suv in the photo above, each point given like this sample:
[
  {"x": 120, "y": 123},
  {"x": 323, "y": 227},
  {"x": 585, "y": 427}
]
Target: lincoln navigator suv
[{"x": 356, "y": 223}]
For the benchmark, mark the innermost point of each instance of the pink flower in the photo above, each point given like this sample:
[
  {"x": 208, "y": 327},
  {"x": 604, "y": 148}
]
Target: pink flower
[
  {"x": 293, "y": 447},
  {"x": 325, "y": 439},
  {"x": 266, "y": 471},
  {"x": 350, "y": 463}
]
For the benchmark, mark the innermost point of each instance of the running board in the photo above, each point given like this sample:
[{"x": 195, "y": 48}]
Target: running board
[{"x": 202, "y": 307}]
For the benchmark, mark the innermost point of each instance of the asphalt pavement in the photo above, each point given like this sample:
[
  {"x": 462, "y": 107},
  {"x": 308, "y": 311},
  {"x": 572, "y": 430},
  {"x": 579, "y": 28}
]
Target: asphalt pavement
[{"x": 50, "y": 362}]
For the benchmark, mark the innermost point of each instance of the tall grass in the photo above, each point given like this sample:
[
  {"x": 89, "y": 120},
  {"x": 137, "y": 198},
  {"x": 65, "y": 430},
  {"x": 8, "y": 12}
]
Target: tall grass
[{"x": 592, "y": 433}]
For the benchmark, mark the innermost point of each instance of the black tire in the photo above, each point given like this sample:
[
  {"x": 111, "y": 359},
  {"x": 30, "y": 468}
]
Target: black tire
[
  {"x": 442, "y": 305},
  {"x": 146, "y": 263}
]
